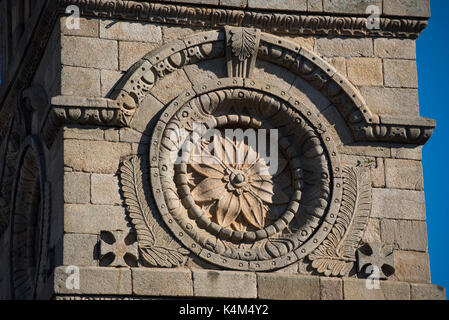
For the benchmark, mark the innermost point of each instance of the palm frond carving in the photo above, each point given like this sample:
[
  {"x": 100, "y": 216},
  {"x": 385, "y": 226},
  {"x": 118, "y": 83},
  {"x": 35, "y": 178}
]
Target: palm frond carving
[
  {"x": 157, "y": 248},
  {"x": 336, "y": 255}
]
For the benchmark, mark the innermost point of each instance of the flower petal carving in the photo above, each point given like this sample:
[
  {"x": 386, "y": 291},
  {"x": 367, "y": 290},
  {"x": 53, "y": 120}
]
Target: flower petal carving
[
  {"x": 265, "y": 190},
  {"x": 253, "y": 210},
  {"x": 208, "y": 170},
  {"x": 208, "y": 190},
  {"x": 228, "y": 209}
]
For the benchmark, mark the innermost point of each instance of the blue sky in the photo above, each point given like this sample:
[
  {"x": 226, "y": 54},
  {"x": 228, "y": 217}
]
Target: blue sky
[{"x": 433, "y": 77}]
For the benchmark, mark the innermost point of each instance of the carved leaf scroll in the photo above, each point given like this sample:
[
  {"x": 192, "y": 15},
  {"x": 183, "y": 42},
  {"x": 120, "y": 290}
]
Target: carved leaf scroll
[
  {"x": 243, "y": 43},
  {"x": 336, "y": 255},
  {"x": 157, "y": 248}
]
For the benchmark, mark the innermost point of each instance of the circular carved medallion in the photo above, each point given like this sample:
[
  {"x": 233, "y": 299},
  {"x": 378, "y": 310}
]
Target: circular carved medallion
[{"x": 244, "y": 175}]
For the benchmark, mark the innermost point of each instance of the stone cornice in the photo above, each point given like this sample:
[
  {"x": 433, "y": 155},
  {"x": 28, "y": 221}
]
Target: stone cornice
[
  {"x": 305, "y": 23},
  {"x": 195, "y": 15}
]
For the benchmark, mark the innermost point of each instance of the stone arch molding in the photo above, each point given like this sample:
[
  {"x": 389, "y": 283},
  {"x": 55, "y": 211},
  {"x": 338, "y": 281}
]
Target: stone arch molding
[
  {"x": 311, "y": 208},
  {"x": 364, "y": 124}
]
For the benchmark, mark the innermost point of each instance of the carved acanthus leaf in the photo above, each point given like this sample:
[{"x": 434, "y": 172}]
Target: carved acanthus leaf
[
  {"x": 243, "y": 43},
  {"x": 157, "y": 248},
  {"x": 336, "y": 255}
]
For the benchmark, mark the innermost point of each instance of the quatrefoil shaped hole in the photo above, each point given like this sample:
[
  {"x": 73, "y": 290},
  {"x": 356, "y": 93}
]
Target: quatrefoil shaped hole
[
  {"x": 130, "y": 260},
  {"x": 107, "y": 259},
  {"x": 387, "y": 270}
]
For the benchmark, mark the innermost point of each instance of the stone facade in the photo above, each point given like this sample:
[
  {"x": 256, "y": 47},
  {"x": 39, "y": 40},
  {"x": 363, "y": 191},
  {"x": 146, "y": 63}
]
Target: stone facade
[{"x": 86, "y": 180}]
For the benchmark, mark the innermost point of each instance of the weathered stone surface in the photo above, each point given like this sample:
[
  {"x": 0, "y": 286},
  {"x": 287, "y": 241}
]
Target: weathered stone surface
[
  {"x": 80, "y": 81},
  {"x": 85, "y": 218},
  {"x": 77, "y": 51},
  {"x": 365, "y": 71},
  {"x": 406, "y": 152},
  {"x": 287, "y": 287},
  {"x": 234, "y": 3},
  {"x": 400, "y": 73},
  {"x": 391, "y": 101},
  {"x": 339, "y": 63},
  {"x": 398, "y": 204},
  {"x": 89, "y": 27},
  {"x": 372, "y": 232},
  {"x": 80, "y": 249},
  {"x": 305, "y": 42},
  {"x": 130, "y": 31},
  {"x": 427, "y": 292},
  {"x": 271, "y": 74},
  {"x": 105, "y": 189},
  {"x": 133, "y": 136},
  {"x": 171, "y": 33},
  {"x": 293, "y": 268},
  {"x": 109, "y": 79},
  {"x": 331, "y": 288},
  {"x": 355, "y": 289},
  {"x": 336, "y": 125},
  {"x": 206, "y": 70},
  {"x": 297, "y": 5},
  {"x": 412, "y": 266},
  {"x": 357, "y": 7},
  {"x": 145, "y": 116},
  {"x": 395, "y": 48},
  {"x": 345, "y": 47},
  {"x": 171, "y": 86},
  {"x": 371, "y": 150},
  {"x": 76, "y": 187},
  {"x": 162, "y": 282},
  {"x": 94, "y": 156},
  {"x": 314, "y": 6},
  {"x": 404, "y": 174},
  {"x": 378, "y": 174},
  {"x": 224, "y": 284},
  {"x": 95, "y": 280},
  {"x": 412, "y": 8},
  {"x": 131, "y": 52},
  {"x": 83, "y": 133},
  {"x": 376, "y": 166},
  {"x": 308, "y": 95},
  {"x": 112, "y": 134},
  {"x": 406, "y": 235}
]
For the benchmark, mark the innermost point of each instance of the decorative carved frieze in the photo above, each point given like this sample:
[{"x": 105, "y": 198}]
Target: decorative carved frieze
[{"x": 290, "y": 23}]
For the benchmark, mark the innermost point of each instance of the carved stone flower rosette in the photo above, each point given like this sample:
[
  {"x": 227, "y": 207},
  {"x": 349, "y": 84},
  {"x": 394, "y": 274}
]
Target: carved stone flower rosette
[{"x": 254, "y": 242}]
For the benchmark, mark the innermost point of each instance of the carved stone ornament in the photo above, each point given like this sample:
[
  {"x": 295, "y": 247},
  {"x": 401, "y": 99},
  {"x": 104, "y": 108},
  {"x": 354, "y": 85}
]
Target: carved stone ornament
[
  {"x": 242, "y": 212},
  {"x": 156, "y": 247},
  {"x": 337, "y": 254},
  {"x": 376, "y": 255},
  {"x": 118, "y": 249}
]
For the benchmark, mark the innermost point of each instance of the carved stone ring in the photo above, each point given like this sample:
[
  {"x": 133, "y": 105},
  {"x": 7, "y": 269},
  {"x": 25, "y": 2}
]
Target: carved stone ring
[{"x": 231, "y": 215}]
